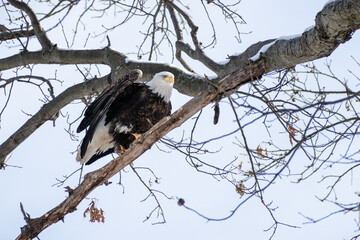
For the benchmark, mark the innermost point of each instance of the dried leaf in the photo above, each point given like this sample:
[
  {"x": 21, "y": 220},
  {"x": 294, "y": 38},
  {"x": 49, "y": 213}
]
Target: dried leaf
[
  {"x": 95, "y": 213},
  {"x": 240, "y": 165},
  {"x": 291, "y": 133},
  {"x": 291, "y": 130},
  {"x": 259, "y": 151},
  {"x": 262, "y": 152},
  {"x": 240, "y": 189}
]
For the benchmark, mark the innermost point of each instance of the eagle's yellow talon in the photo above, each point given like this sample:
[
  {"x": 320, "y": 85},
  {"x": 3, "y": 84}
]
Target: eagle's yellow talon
[
  {"x": 137, "y": 136},
  {"x": 122, "y": 149}
]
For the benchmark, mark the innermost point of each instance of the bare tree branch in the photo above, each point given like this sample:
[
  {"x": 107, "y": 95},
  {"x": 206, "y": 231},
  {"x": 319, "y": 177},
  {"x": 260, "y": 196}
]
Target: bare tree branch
[
  {"x": 198, "y": 53},
  {"x": 179, "y": 37},
  {"x": 39, "y": 32},
  {"x": 7, "y": 35}
]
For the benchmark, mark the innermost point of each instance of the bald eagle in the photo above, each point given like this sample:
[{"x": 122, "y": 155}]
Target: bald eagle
[{"x": 122, "y": 112}]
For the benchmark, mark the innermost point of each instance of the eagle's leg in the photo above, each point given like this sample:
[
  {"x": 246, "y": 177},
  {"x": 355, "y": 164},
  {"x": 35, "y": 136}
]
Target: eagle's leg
[
  {"x": 122, "y": 149},
  {"x": 137, "y": 136}
]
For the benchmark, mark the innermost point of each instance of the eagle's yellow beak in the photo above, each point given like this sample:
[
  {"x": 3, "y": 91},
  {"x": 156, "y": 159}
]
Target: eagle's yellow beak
[{"x": 169, "y": 79}]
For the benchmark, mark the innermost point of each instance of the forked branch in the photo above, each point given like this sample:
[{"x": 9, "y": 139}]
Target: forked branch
[{"x": 39, "y": 32}]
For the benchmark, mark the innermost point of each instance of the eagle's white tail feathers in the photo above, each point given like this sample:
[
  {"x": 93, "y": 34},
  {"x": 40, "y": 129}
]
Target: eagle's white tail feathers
[{"x": 101, "y": 142}]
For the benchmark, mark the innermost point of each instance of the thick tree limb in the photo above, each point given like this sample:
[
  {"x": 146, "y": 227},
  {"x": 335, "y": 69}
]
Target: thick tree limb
[
  {"x": 61, "y": 56},
  {"x": 188, "y": 84},
  {"x": 98, "y": 177},
  {"x": 334, "y": 25}
]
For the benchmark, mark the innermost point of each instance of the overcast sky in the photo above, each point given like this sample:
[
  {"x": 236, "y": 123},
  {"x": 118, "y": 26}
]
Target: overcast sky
[{"x": 47, "y": 154}]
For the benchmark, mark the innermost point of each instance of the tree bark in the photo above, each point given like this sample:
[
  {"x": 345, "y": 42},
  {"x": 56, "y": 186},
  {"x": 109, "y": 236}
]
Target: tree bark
[{"x": 334, "y": 25}]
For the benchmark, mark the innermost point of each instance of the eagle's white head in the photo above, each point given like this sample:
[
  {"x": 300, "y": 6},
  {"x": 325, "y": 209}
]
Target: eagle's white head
[{"x": 162, "y": 84}]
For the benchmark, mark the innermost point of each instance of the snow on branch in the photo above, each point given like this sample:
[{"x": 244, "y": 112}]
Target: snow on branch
[{"x": 334, "y": 25}]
